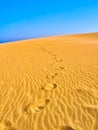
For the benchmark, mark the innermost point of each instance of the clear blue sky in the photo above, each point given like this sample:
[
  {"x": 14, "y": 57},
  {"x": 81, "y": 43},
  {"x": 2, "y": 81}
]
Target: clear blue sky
[{"x": 22, "y": 19}]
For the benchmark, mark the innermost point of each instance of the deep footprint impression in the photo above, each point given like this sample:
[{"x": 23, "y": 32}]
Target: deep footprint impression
[
  {"x": 52, "y": 76},
  {"x": 65, "y": 128},
  {"x": 37, "y": 106},
  {"x": 49, "y": 86}
]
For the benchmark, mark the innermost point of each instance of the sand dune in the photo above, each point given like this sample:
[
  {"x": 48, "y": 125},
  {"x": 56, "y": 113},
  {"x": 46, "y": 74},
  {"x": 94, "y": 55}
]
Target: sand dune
[{"x": 49, "y": 83}]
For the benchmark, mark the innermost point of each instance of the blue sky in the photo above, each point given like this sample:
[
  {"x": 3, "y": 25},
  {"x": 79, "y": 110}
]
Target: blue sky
[{"x": 23, "y": 19}]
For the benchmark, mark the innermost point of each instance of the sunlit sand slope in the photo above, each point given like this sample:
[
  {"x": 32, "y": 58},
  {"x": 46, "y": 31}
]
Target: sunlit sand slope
[{"x": 49, "y": 83}]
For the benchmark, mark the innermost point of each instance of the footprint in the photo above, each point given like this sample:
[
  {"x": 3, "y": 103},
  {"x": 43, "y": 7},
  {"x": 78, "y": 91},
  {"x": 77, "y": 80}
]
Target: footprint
[
  {"x": 55, "y": 57},
  {"x": 80, "y": 91},
  {"x": 65, "y": 128},
  {"x": 37, "y": 106},
  {"x": 6, "y": 126},
  {"x": 49, "y": 86},
  {"x": 52, "y": 75},
  {"x": 59, "y": 60},
  {"x": 43, "y": 49},
  {"x": 62, "y": 68},
  {"x": 9, "y": 125}
]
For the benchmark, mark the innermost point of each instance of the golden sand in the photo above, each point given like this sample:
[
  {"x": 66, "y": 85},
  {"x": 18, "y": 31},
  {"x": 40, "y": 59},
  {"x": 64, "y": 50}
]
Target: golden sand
[{"x": 49, "y": 83}]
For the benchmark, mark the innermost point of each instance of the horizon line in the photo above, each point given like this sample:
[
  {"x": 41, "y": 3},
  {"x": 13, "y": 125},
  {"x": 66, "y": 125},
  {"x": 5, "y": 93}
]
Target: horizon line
[{"x": 41, "y": 37}]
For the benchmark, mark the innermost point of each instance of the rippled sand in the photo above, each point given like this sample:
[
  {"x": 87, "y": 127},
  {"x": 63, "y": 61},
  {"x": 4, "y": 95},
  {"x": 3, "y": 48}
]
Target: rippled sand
[{"x": 49, "y": 83}]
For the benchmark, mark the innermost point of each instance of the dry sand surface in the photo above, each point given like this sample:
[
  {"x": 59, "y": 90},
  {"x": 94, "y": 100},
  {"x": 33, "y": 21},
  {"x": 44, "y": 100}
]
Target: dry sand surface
[{"x": 49, "y": 83}]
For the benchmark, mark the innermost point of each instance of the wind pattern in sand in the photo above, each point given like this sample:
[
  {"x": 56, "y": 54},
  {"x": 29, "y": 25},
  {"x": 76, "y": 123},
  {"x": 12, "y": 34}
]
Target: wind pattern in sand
[{"x": 49, "y": 83}]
